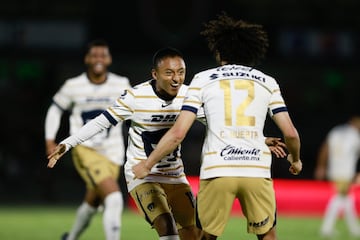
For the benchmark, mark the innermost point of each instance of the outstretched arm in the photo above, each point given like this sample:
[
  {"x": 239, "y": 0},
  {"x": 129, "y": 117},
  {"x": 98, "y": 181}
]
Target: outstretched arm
[
  {"x": 87, "y": 131},
  {"x": 173, "y": 137}
]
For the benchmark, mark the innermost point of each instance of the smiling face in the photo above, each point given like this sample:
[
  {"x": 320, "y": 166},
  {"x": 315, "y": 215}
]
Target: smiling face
[
  {"x": 169, "y": 75},
  {"x": 98, "y": 59}
]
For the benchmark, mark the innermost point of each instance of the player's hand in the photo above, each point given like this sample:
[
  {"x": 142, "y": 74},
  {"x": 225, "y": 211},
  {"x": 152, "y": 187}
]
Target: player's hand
[
  {"x": 276, "y": 146},
  {"x": 296, "y": 166},
  {"x": 50, "y": 146},
  {"x": 56, "y": 155},
  {"x": 140, "y": 170}
]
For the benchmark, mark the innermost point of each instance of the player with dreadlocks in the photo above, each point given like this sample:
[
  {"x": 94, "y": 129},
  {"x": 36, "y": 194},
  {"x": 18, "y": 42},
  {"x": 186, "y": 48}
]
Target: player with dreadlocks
[{"x": 236, "y": 162}]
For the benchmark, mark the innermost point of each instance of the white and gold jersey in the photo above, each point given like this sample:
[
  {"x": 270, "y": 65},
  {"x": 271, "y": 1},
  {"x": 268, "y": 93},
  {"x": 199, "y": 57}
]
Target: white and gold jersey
[
  {"x": 150, "y": 118},
  {"x": 86, "y": 100},
  {"x": 236, "y": 100},
  {"x": 344, "y": 151}
]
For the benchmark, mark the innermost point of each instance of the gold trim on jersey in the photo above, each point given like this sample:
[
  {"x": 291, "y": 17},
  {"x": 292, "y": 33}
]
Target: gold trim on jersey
[
  {"x": 139, "y": 159},
  {"x": 146, "y": 111},
  {"x": 115, "y": 114},
  {"x": 194, "y": 88},
  {"x": 236, "y": 166},
  {"x": 124, "y": 105},
  {"x": 157, "y": 125},
  {"x": 129, "y": 91},
  {"x": 210, "y": 153},
  {"x": 276, "y": 90},
  {"x": 134, "y": 143},
  {"x": 191, "y": 101},
  {"x": 277, "y": 102},
  {"x": 167, "y": 176}
]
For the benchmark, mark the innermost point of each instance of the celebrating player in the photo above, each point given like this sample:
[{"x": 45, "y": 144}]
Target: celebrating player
[
  {"x": 236, "y": 162},
  {"x": 97, "y": 160}
]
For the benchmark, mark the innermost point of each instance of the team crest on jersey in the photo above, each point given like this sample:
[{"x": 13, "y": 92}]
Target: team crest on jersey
[
  {"x": 122, "y": 96},
  {"x": 151, "y": 207}
]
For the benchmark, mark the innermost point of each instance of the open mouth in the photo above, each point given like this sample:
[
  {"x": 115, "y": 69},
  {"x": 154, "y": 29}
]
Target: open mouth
[{"x": 99, "y": 67}]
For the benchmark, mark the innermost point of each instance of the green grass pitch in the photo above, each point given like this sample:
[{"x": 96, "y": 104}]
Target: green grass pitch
[{"x": 49, "y": 222}]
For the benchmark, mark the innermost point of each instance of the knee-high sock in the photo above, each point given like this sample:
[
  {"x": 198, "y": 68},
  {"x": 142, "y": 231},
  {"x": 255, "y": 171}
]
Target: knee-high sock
[
  {"x": 83, "y": 216},
  {"x": 332, "y": 210},
  {"x": 350, "y": 215},
  {"x": 113, "y": 207}
]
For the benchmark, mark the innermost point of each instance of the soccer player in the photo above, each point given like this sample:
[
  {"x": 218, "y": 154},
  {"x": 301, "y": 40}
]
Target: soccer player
[
  {"x": 336, "y": 162},
  {"x": 236, "y": 162},
  {"x": 97, "y": 160},
  {"x": 164, "y": 198}
]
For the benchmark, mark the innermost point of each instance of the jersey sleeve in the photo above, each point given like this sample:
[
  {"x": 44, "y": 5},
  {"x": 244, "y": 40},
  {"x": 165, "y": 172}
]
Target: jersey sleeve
[
  {"x": 192, "y": 101},
  {"x": 52, "y": 122},
  {"x": 277, "y": 103},
  {"x": 122, "y": 109},
  {"x": 87, "y": 131},
  {"x": 63, "y": 97}
]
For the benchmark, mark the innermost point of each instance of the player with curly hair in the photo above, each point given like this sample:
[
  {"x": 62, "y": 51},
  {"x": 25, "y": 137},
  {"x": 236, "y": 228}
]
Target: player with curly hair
[{"x": 236, "y": 162}]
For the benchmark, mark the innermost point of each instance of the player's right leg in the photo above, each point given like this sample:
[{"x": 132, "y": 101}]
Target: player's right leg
[{"x": 151, "y": 200}]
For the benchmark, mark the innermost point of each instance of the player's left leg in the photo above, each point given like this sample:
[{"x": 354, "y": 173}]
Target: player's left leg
[
  {"x": 84, "y": 214},
  {"x": 182, "y": 202}
]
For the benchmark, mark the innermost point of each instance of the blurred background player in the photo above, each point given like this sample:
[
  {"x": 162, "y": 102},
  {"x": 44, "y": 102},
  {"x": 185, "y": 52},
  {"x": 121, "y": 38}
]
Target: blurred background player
[
  {"x": 236, "y": 162},
  {"x": 99, "y": 159},
  {"x": 337, "y": 162}
]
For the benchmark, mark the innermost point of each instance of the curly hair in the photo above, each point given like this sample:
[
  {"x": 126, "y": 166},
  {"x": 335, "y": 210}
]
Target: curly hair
[{"x": 236, "y": 41}]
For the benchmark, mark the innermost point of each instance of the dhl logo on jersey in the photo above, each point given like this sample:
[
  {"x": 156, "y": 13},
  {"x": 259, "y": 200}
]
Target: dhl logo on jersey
[{"x": 162, "y": 118}]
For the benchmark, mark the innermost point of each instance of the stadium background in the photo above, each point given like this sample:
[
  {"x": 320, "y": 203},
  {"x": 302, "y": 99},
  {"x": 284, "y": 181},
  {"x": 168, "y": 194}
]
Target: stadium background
[{"x": 314, "y": 54}]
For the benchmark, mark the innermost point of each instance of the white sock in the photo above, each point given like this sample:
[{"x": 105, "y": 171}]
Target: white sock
[
  {"x": 82, "y": 220},
  {"x": 172, "y": 237},
  {"x": 332, "y": 210},
  {"x": 350, "y": 215},
  {"x": 113, "y": 206}
]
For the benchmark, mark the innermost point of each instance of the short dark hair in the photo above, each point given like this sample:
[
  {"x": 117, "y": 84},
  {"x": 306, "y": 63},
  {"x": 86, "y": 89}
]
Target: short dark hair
[
  {"x": 164, "y": 53},
  {"x": 236, "y": 41},
  {"x": 97, "y": 43}
]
